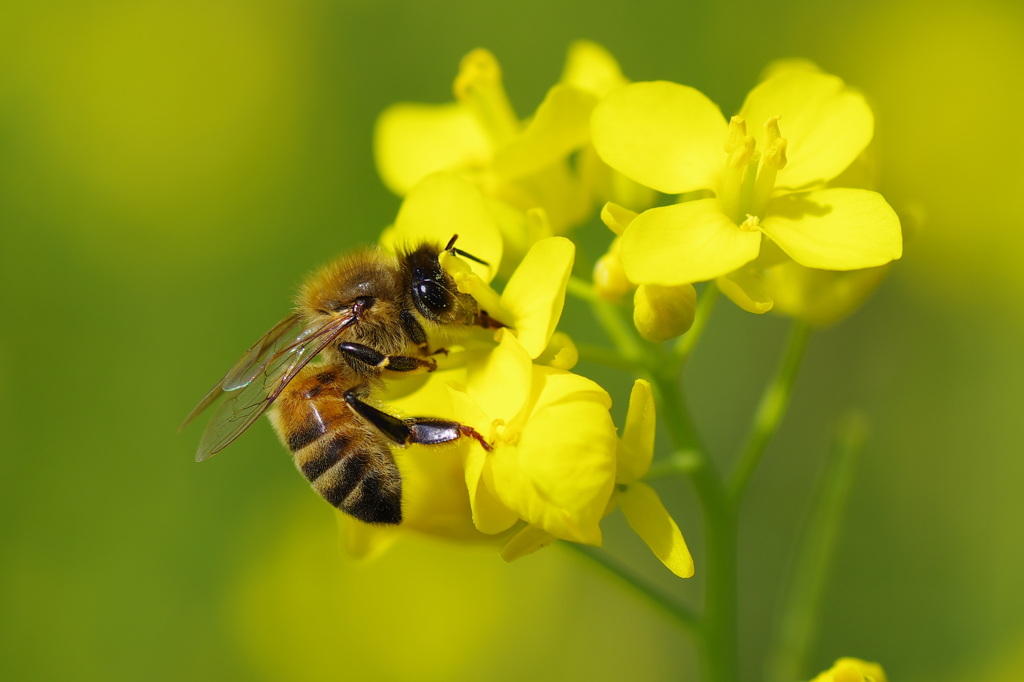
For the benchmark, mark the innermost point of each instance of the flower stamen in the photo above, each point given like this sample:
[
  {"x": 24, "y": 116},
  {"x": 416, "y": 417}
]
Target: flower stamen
[
  {"x": 740, "y": 148},
  {"x": 773, "y": 161}
]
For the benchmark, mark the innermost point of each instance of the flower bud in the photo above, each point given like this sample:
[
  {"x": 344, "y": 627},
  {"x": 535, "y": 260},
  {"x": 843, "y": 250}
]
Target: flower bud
[{"x": 661, "y": 313}]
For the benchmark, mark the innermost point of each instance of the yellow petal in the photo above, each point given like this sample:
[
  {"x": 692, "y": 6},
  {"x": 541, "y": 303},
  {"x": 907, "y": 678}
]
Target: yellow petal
[
  {"x": 651, "y": 521},
  {"x": 616, "y": 217},
  {"x": 444, "y": 205},
  {"x": 826, "y": 123},
  {"x": 746, "y": 288},
  {"x": 489, "y": 514},
  {"x": 434, "y": 486},
  {"x": 469, "y": 282},
  {"x": 411, "y": 141},
  {"x": 526, "y": 541},
  {"x": 561, "y": 352},
  {"x": 516, "y": 232},
  {"x": 559, "y": 191},
  {"x": 684, "y": 243},
  {"x": 663, "y": 135},
  {"x": 603, "y": 183},
  {"x": 560, "y": 126},
  {"x": 592, "y": 68},
  {"x": 364, "y": 540},
  {"x": 663, "y": 313},
  {"x": 835, "y": 229},
  {"x": 636, "y": 446},
  {"x": 852, "y": 670},
  {"x": 559, "y": 474},
  {"x": 535, "y": 294},
  {"x": 500, "y": 382},
  {"x": 785, "y": 65}
]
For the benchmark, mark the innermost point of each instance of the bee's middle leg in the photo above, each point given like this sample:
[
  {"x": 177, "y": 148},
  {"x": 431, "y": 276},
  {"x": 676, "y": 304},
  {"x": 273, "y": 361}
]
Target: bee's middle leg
[{"x": 396, "y": 363}]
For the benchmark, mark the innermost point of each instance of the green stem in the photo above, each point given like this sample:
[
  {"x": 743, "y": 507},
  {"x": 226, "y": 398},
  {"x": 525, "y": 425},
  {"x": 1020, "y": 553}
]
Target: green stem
[
  {"x": 607, "y": 357},
  {"x": 721, "y": 604},
  {"x": 770, "y": 411},
  {"x": 719, "y": 626},
  {"x": 581, "y": 289},
  {"x": 622, "y": 335},
  {"x": 679, "y": 463},
  {"x": 807, "y": 579},
  {"x": 665, "y": 602}
]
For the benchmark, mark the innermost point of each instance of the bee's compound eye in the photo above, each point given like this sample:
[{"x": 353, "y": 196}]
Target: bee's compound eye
[{"x": 431, "y": 297}]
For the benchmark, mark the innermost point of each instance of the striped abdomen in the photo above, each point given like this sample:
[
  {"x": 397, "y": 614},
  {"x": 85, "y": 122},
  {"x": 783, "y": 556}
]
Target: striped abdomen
[{"x": 348, "y": 461}]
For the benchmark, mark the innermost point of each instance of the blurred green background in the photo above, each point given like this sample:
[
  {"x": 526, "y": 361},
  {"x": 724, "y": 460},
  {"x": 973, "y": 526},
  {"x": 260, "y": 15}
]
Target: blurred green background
[{"x": 169, "y": 171}]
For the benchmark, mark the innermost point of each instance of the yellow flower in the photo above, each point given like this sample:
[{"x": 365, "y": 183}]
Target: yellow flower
[
  {"x": 809, "y": 126},
  {"x": 519, "y": 165},
  {"x": 553, "y": 459},
  {"x": 640, "y": 503},
  {"x": 852, "y": 670}
]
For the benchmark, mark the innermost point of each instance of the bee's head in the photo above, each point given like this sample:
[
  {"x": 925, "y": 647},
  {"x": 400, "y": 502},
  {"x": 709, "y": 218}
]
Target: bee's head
[{"x": 433, "y": 290}]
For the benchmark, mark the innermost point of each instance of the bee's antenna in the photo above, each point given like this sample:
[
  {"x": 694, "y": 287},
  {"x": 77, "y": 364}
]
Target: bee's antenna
[{"x": 460, "y": 252}]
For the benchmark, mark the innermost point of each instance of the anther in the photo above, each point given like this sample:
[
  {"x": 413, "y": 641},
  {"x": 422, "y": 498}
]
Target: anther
[
  {"x": 775, "y": 144},
  {"x": 478, "y": 69},
  {"x": 737, "y": 133},
  {"x": 741, "y": 154}
]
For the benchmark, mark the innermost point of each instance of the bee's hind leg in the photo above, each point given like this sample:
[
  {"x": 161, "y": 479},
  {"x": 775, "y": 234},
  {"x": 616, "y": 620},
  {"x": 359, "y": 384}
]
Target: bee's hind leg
[{"x": 419, "y": 430}]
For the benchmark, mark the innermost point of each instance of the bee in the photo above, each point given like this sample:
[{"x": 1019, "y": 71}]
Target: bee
[{"x": 367, "y": 316}]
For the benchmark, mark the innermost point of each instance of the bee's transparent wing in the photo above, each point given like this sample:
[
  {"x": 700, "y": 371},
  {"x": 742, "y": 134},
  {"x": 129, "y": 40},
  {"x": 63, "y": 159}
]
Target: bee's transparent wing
[
  {"x": 256, "y": 359},
  {"x": 251, "y": 363},
  {"x": 254, "y": 383}
]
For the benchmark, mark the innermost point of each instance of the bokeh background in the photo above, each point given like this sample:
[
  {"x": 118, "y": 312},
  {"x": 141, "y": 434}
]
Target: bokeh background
[{"x": 169, "y": 171}]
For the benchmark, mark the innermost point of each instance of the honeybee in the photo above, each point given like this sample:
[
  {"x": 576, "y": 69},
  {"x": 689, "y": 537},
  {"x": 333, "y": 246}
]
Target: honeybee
[{"x": 367, "y": 315}]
